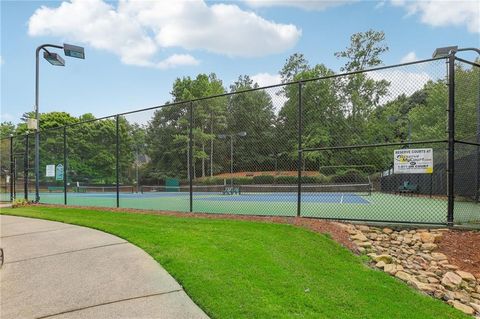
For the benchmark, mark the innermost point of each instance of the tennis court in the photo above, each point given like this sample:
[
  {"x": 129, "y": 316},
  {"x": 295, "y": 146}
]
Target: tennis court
[{"x": 355, "y": 201}]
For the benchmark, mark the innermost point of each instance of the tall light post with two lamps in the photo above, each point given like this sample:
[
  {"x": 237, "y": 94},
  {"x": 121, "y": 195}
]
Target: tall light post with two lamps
[
  {"x": 54, "y": 59},
  {"x": 232, "y": 136}
]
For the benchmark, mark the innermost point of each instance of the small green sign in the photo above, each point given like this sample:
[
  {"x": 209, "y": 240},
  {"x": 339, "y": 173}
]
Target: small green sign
[{"x": 59, "y": 172}]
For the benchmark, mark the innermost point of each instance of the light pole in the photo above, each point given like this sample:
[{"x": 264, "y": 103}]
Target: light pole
[
  {"x": 275, "y": 157},
  {"x": 137, "y": 160},
  {"x": 54, "y": 59},
  {"x": 224, "y": 136},
  {"x": 449, "y": 52}
]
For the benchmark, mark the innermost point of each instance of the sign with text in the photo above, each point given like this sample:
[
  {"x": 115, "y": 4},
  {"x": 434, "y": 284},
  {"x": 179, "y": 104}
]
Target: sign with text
[
  {"x": 50, "y": 171},
  {"x": 413, "y": 161},
  {"x": 59, "y": 172}
]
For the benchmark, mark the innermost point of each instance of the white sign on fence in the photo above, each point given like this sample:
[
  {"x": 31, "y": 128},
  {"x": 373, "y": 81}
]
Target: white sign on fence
[
  {"x": 50, "y": 171},
  {"x": 413, "y": 161}
]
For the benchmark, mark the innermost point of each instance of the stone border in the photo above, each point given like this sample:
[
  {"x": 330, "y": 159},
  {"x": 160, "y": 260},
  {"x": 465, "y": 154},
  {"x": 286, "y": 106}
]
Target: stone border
[{"x": 409, "y": 256}]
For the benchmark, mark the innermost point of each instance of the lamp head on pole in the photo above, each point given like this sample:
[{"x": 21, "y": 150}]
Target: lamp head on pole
[
  {"x": 53, "y": 58},
  {"x": 242, "y": 134},
  {"x": 74, "y": 51},
  {"x": 444, "y": 52}
]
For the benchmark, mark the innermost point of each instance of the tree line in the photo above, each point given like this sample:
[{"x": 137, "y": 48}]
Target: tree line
[{"x": 345, "y": 110}]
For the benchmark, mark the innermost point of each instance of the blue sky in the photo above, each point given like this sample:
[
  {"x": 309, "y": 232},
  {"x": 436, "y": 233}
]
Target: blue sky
[{"x": 135, "y": 50}]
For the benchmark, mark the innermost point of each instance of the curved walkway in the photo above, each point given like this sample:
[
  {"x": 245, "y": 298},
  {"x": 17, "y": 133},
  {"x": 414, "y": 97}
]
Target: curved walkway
[{"x": 57, "y": 270}]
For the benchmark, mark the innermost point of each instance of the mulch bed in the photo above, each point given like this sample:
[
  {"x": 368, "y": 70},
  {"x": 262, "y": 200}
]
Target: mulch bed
[{"x": 462, "y": 248}]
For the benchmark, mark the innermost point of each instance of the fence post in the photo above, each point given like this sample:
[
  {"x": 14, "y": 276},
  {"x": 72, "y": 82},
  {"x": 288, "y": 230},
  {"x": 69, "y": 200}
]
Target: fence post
[
  {"x": 451, "y": 139},
  {"x": 12, "y": 173},
  {"x": 477, "y": 193},
  {"x": 117, "y": 156},
  {"x": 299, "y": 164},
  {"x": 190, "y": 155},
  {"x": 25, "y": 170},
  {"x": 65, "y": 165}
]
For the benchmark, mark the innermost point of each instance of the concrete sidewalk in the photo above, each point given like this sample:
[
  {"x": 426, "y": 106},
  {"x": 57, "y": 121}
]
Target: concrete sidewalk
[{"x": 57, "y": 270}]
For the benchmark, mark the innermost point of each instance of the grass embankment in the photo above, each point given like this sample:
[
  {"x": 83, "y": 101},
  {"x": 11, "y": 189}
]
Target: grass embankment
[{"x": 239, "y": 269}]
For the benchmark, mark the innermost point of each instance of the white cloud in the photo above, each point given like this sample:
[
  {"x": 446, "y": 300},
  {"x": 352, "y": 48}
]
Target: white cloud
[
  {"x": 409, "y": 57},
  {"x": 276, "y": 93},
  {"x": 138, "y": 30},
  {"x": 310, "y": 5},
  {"x": 177, "y": 60},
  {"x": 444, "y": 13},
  {"x": 401, "y": 82},
  {"x": 266, "y": 79}
]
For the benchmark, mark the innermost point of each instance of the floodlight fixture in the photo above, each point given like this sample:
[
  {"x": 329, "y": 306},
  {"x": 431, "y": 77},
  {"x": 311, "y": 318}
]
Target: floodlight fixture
[
  {"x": 242, "y": 134},
  {"x": 53, "y": 58},
  {"x": 444, "y": 51},
  {"x": 74, "y": 51}
]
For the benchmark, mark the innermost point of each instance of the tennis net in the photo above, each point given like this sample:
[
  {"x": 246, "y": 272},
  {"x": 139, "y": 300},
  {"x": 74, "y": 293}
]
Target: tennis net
[
  {"x": 344, "y": 189},
  {"x": 104, "y": 189},
  {"x": 182, "y": 189}
]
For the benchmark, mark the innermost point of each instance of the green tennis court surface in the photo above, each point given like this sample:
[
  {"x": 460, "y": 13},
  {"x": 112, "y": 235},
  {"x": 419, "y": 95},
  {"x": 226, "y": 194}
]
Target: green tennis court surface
[{"x": 377, "y": 206}]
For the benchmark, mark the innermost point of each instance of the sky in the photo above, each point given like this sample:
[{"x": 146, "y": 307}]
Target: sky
[{"x": 136, "y": 49}]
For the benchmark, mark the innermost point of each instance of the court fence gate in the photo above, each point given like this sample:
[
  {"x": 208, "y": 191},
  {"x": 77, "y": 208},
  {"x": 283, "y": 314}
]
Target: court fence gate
[{"x": 393, "y": 144}]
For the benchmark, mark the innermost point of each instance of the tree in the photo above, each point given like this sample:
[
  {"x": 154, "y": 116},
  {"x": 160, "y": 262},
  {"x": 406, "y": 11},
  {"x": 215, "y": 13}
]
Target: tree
[
  {"x": 253, "y": 113},
  {"x": 362, "y": 94},
  {"x": 6, "y": 129},
  {"x": 294, "y": 65},
  {"x": 172, "y": 123},
  {"x": 364, "y": 51}
]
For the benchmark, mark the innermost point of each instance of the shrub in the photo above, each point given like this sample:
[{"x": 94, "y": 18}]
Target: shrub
[
  {"x": 19, "y": 202},
  {"x": 286, "y": 180},
  {"x": 263, "y": 179},
  {"x": 350, "y": 176},
  {"x": 243, "y": 181}
]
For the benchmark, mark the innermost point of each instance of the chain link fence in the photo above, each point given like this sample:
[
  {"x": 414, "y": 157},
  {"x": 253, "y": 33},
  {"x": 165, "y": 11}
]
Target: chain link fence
[{"x": 369, "y": 145}]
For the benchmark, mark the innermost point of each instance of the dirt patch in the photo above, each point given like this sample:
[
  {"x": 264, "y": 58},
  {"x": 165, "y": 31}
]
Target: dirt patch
[
  {"x": 462, "y": 249},
  {"x": 337, "y": 231}
]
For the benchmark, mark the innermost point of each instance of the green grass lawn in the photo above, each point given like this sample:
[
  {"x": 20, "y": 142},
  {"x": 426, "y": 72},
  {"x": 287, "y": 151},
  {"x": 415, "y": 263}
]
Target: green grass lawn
[{"x": 239, "y": 269}]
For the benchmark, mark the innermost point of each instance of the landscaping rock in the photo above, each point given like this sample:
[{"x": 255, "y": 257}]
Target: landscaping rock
[
  {"x": 403, "y": 276},
  {"x": 387, "y": 231},
  {"x": 427, "y": 237},
  {"x": 451, "y": 280},
  {"x": 438, "y": 256},
  {"x": 429, "y": 246},
  {"x": 465, "y": 275},
  {"x": 475, "y": 306},
  {"x": 411, "y": 257},
  {"x": 359, "y": 236},
  {"x": 387, "y": 259},
  {"x": 380, "y": 264},
  {"x": 422, "y": 286},
  {"x": 460, "y": 306}
]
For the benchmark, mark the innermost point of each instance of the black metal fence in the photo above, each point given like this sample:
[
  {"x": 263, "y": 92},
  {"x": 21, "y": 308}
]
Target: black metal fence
[{"x": 323, "y": 147}]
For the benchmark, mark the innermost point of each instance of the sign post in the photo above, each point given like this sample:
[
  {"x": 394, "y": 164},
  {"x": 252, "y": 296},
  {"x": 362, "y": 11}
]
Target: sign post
[
  {"x": 50, "y": 171},
  {"x": 59, "y": 172}
]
